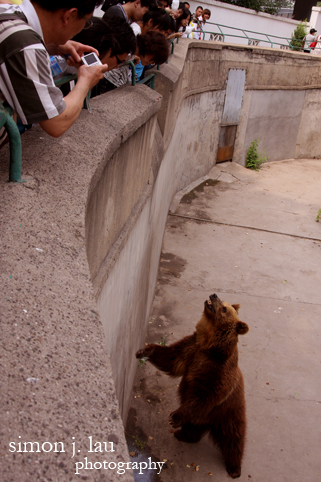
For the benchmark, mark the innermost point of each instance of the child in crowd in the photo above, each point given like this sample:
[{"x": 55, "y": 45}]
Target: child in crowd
[
  {"x": 182, "y": 21},
  {"x": 154, "y": 20},
  {"x": 152, "y": 48}
]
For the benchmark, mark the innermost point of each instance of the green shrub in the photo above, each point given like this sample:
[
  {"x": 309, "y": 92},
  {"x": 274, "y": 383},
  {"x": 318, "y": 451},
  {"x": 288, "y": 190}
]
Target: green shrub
[
  {"x": 298, "y": 36},
  {"x": 254, "y": 159}
]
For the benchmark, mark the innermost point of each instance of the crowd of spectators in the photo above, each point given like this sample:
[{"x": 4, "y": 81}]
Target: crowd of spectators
[{"x": 42, "y": 40}]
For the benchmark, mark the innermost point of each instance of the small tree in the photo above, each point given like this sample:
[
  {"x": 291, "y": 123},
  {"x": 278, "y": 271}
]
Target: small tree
[
  {"x": 267, "y": 6},
  {"x": 254, "y": 159},
  {"x": 274, "y": 6},
  {"x": 298, "y": 36}
]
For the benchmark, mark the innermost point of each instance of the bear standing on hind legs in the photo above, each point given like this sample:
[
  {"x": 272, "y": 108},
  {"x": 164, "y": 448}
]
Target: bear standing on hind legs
[{"x": 212, "y": 389}]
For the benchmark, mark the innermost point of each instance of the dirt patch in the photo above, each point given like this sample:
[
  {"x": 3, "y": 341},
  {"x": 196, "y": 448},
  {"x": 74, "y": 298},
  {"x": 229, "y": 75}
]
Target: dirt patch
[
  {"x": 170, "y": 266},
  {"x": 190, "y": 196}
]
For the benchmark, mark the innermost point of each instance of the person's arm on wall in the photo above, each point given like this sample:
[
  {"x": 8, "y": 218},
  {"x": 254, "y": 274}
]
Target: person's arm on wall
[{"x": 88, "y": 77}]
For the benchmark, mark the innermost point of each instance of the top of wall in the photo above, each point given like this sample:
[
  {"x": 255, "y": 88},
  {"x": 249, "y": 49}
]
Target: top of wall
[
  {"x": 56, "y": 377},
  {"x": 241, "y": 10}
]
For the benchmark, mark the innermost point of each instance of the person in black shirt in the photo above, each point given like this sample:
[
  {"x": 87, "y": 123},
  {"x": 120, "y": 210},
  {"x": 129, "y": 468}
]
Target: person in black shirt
[{"x": 132, "y": 11}]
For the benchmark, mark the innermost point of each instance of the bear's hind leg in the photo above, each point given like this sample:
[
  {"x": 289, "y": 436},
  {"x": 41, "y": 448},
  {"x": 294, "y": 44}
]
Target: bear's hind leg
[
  {"x": 190, "y": 433},
  {"x": 231, "y": 443}
]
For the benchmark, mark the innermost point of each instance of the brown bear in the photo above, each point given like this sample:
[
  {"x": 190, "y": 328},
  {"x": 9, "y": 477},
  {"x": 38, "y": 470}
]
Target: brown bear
[{"x": 212, "y": 388}]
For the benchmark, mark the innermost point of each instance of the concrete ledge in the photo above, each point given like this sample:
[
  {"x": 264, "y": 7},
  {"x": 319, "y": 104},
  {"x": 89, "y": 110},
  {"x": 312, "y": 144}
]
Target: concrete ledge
[{"x": 56, "y": 377}]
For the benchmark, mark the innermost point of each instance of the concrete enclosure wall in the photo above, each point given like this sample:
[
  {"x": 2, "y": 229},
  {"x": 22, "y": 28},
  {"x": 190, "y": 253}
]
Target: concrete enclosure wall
[
  {"x": 167, "y": 154},
  {"x": 88, "y": 224}
]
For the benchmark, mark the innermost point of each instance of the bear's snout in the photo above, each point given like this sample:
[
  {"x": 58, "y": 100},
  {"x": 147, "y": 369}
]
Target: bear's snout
[{"x": 215, "y": 301}]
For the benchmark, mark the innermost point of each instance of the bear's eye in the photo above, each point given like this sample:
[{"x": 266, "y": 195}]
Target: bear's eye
[{"x": 224, "y": 310}]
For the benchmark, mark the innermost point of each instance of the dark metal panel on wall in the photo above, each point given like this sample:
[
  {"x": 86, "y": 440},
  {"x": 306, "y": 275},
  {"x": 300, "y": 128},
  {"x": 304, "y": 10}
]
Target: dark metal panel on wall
[{"x": 226, "y": 143}]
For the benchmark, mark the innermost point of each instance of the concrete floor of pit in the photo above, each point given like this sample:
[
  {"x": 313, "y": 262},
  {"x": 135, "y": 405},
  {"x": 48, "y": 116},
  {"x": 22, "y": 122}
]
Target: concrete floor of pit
[{"x": 252, "y": 238}]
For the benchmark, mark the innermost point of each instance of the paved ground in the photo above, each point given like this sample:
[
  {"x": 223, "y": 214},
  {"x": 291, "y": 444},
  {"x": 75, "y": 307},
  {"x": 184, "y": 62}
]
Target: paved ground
[{"x": 261, "y": 248}]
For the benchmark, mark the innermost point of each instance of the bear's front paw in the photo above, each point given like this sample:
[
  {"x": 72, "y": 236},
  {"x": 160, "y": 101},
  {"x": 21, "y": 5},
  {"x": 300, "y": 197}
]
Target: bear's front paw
[
  {"x": 145, "y": 352},
  {"x": 176, "y": 419}
]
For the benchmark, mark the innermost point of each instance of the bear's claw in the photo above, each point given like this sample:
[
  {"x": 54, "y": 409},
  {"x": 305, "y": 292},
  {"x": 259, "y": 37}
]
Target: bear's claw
[
  {"x": 175, "y": 419},
  {"x": 234, "y": 472},
  {"x": 140, "y": 354},
  {"x": 145, "y": 352}
]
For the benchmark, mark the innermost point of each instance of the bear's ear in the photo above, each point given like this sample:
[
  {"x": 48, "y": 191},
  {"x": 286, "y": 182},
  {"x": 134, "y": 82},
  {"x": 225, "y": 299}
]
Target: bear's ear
[
  {"x": 241, "y": 328},
  {"x": 236, "y": 307}
]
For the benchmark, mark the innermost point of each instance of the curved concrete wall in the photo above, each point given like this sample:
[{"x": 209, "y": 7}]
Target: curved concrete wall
[
  {"x": 125, "y": 234},
  {"x": 85, "y": 229}
]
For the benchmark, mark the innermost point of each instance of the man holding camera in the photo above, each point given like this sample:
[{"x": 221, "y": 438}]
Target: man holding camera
[{"x": 29, "y": 33}]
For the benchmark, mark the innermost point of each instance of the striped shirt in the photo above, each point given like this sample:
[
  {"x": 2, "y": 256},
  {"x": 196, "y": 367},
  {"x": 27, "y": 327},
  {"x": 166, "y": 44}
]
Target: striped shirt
[{"x": 26, "y": 82}]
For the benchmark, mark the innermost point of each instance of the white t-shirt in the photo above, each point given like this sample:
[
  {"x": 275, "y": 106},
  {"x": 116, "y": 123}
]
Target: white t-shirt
[{"x": 308, "y": 39}]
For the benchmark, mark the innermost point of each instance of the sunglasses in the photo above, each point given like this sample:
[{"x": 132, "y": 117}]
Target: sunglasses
[{"x": 89, "y": 23}]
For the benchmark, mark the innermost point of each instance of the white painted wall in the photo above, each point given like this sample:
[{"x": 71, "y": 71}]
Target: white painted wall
[
  {"x": 244, "y": 18},
  {"x": 315, "y": 20}
]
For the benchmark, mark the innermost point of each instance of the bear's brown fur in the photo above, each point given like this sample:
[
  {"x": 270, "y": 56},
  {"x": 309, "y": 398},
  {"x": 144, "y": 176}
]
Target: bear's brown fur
[{"x": 212, "y": 389}]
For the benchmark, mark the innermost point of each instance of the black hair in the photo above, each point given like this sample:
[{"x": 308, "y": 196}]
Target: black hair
[
  {"x": 155, "y": 44},
  {"x": 84, "y": 6},
  {"x": 148, "y": 3},
  {"x": 113, "y": 33},
  {"x": 184, "y": 15},
  {"x": 172, "y": 24},
  {"x": 159, "y": 17},
  {"x": 108, "y": 4}
]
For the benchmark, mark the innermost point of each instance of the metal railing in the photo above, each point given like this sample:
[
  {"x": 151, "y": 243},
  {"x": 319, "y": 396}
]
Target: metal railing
[
  {"x": 252, "y": 38},
  {"x": 13, "y": 133}
]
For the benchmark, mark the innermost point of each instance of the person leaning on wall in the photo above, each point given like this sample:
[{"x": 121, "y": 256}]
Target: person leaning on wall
[
  {"x": 115, "y": 41},
  {"x": 198, "y": 13},
  {"x": 132, "y": 11},
  {"x": 43, "y": 27},
  {"x": 307, "y": 41}
]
